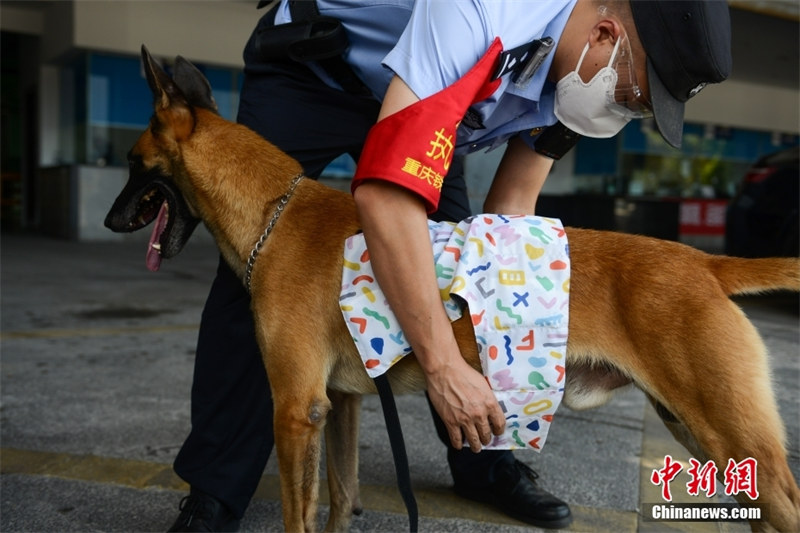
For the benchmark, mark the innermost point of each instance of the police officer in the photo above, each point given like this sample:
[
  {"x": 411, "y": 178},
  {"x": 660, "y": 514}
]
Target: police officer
[{"x": 585, "y": 67}]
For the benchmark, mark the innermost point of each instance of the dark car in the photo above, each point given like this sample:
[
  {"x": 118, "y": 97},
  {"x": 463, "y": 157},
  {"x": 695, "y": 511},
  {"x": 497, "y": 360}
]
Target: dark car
[{"x": 763, "y": 219}]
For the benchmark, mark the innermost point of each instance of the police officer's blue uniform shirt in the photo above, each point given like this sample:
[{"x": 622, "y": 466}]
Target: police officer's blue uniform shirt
[{"x": 430, "y": 44}]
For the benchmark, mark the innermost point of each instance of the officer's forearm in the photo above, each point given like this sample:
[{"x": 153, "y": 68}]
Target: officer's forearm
[{"x": 518, "y": 181}]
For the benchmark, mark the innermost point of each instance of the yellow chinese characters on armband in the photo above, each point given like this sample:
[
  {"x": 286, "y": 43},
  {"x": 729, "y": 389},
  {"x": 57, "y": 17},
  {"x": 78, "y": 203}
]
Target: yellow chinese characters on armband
[{"x": 441, "y": 149}]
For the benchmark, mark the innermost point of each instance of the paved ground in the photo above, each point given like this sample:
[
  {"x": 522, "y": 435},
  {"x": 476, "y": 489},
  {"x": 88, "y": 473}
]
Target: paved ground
[{"x": 97, "y": 359}]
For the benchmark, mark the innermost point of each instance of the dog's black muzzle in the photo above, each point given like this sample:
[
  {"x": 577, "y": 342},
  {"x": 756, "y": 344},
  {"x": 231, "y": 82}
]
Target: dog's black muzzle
[{"x": 138, "y": 205}]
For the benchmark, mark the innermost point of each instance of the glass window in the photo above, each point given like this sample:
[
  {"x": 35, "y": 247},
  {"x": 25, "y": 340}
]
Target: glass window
[{"x": 638, "y": 162}]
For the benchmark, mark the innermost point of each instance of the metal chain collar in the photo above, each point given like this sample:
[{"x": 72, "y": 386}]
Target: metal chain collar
[{"x": 251, "y": 261}]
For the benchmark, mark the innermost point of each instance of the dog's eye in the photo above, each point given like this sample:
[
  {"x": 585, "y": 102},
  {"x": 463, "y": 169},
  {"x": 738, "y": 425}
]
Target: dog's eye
[{"x": 134, "y": 161}]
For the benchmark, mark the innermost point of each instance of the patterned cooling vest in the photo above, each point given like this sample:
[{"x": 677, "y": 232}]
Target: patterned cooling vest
[{"x": 511, "y": 274}]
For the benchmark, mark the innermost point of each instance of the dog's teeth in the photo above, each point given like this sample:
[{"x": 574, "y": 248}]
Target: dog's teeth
[{"x": 156, "y": 246}]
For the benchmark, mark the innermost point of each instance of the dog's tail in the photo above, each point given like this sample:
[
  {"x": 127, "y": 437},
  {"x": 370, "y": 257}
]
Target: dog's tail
[{"x": 737, "y": 275}]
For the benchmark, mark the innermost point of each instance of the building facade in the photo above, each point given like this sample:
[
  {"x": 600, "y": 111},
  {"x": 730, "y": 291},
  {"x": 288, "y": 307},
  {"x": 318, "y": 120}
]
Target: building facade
[{"x": 74, "y": 101}]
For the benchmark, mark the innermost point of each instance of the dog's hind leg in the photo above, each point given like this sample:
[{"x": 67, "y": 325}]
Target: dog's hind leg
[
  {"x": 341, "y": 442},
  {"x": 717, "y": 385}
]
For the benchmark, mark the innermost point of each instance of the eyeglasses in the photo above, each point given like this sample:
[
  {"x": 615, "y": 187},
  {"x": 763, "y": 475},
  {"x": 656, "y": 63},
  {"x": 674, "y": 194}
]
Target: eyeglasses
[{"x": 629, "y": 100}]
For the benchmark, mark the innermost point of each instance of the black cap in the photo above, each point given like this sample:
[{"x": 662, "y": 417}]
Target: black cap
[{"x": 688, "y": 45}]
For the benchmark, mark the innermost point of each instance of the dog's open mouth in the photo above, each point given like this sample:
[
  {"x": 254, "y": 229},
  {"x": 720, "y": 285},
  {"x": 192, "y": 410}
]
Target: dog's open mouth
[
  {"x": 160, "y": 202},
  {"x": 153, "y": 205}
]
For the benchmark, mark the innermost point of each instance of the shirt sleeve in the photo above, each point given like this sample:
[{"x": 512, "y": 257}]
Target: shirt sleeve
[
  {"x": 414, "y": 146},
  {"x": 442, "y": 41}
]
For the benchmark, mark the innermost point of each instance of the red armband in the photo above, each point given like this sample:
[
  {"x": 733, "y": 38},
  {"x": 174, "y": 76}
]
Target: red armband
[{"x": 413, "y": 148}]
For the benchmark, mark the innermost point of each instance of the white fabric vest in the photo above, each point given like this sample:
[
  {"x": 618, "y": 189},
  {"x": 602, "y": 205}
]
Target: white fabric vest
[{"x": 512, "y": 275}]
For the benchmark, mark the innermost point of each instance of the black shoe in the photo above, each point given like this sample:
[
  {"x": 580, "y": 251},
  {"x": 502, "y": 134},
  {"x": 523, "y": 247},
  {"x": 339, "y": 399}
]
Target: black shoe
[
  {"x": 515, "y": 492},
  {"x": 201, "y": 512}
]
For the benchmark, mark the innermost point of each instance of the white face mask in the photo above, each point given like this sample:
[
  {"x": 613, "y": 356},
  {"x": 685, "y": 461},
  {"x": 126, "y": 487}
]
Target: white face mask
[{"x": 586, "y": 108}]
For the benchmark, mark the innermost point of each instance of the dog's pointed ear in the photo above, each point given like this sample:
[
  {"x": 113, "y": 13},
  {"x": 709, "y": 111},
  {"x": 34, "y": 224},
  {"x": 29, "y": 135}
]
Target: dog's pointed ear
[
  {"x": 194, "y": 85},
  {"x": 165, "y": 91}
]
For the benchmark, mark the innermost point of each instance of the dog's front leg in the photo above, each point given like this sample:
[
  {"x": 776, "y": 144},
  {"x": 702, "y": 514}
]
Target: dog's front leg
[
  {"x": 299, "y": 419},
  {"x": 341, "y": 441}
]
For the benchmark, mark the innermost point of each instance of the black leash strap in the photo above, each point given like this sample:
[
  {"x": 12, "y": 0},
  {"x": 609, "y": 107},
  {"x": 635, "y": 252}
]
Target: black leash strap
[{"x": 398, "y": 449}]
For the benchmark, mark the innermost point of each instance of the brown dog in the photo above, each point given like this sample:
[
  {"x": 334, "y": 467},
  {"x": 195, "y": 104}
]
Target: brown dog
[{"x": 641, "y": 309}]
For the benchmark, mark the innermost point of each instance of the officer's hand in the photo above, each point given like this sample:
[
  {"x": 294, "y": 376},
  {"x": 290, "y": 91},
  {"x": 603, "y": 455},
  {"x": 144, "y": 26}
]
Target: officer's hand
[{"x": 464, "y": 401}]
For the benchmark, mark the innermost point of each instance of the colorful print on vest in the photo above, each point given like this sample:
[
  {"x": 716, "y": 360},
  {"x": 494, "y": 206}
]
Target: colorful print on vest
[{"x": 511, "y": 274}]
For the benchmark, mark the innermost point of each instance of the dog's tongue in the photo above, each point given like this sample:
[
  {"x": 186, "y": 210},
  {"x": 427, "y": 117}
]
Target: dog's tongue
[{"x": 153, "y": 258}]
